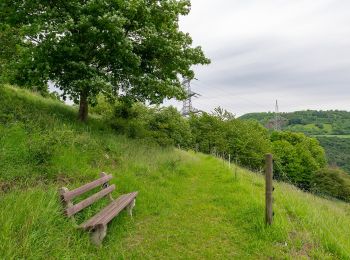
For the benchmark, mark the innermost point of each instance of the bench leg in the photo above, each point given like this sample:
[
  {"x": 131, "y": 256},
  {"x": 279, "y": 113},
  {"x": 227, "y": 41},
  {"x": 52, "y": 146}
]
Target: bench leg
[
  {"x": 98, "y": 234},
  {"x": 130, "y": 207}
]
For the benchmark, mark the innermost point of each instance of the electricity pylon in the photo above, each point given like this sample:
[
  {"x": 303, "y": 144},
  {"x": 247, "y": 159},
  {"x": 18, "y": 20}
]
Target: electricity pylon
[
  {"x": 277, "y": 121},
  {"x": 187, "y": 107}
]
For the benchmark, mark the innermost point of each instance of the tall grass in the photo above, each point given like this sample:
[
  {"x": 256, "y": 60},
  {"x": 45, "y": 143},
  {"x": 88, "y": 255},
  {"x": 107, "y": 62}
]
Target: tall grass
[{"x": 190, "y": 206}]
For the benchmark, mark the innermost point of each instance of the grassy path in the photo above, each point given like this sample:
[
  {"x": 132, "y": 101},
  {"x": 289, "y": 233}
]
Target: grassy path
[{"x": 191, "y": 208}]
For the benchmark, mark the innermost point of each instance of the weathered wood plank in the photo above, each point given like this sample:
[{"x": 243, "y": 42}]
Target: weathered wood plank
[
  {"x": 110, "y": 211},
  {"x": 268, "y": 189},
  {"x": 69, "y": 195},
  {"x": 95, "y": 219},
  {"x": 88, "y": 201},
  {"x": 108, "y": 217}
]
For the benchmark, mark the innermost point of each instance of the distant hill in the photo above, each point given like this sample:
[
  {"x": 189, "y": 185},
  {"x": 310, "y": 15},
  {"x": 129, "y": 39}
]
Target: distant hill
[
  {"x": 311, "y": 122},
  {"x": 331, "y": 128}
]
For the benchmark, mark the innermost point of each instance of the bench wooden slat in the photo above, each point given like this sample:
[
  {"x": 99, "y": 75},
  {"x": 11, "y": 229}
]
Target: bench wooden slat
[
  {"x": 98, "y": 223},
  {"x": 90, "y": 223},
  {"x": 109, "y": 212},
  {"x": 89, "y": 186},
  {"x": 88, "y": 201}
]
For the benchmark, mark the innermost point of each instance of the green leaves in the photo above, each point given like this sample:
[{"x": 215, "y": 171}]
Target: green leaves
[
  {"x": 297, "y": 157},
  {"x": 130, "y": 47},
  {"x": 332, "y": 182},
  {"x": 221, "y": 133}
]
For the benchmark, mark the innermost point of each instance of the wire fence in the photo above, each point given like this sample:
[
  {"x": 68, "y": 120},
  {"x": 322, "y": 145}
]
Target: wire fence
[{"x": 303, "y": 223}]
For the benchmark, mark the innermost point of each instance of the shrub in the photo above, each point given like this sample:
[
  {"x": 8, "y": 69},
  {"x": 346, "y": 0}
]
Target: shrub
[
  {"x": 163, "y": 125},
  {"x": 168, "y": 127},
  {"x": 332, "y": 182},
  {"x": 246, "y": 141},
  {"x": 131, "y": 120},
  {"x": 297, "y": 157}
]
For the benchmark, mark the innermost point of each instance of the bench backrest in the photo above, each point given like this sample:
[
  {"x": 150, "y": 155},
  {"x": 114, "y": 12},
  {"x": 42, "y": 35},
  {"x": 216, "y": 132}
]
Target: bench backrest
[{"x": 67, "y": 195}]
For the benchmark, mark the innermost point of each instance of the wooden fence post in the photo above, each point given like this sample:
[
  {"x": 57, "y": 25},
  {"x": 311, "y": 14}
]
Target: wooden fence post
[{"x": 269, "y": 189}]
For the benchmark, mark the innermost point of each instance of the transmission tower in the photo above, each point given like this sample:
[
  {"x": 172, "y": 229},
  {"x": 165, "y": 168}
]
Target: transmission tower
[
  {"x": 187, "y": 107},
  {"x": 277, "y": 121}
]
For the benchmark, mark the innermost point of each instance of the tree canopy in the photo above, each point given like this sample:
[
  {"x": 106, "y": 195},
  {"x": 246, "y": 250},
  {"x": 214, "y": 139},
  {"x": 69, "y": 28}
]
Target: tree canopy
[
  {"x": 132, "y": 49},
  {"x": 297, "y": 158}
]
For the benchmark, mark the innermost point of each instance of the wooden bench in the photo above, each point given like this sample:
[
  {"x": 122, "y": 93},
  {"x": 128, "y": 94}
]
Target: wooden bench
[{"x": 97, "y": 225}]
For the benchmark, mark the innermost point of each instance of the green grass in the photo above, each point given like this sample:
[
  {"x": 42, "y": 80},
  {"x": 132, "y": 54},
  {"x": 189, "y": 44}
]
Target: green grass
[{"x": 190, "y": 206}]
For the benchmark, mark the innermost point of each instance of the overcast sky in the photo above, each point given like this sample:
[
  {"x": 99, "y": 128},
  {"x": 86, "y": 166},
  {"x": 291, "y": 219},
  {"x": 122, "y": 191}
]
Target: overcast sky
[{"x": 296, "y": 51}]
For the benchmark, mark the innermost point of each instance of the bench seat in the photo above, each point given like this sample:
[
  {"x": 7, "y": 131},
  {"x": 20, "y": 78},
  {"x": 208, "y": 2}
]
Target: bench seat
[
  {"x": 109, "y": 212},
  {"x": 97, "y": 225}
]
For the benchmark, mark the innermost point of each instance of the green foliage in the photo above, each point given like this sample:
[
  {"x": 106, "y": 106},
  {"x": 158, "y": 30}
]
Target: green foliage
[
  {"x": 189, "y": 204},
  {"x": 16, "y": 64},
  {"x": 8, "y": 51},
  {"x": 330, "y": 127},
  {"x": 131, "y": 48},
  {"x": 337, "y": 150},
  {"x": 332, "y": 182},
  {"x": 297, "y": 157},
  {"x": 168, "y": 127},
  {"x": 104, "y": 107},
  {"x": 163, "y": 125},
  {"x": 219, "y": 133},
  {"x": 311, "y": 122},
  {"x": 245, "y": 141}
]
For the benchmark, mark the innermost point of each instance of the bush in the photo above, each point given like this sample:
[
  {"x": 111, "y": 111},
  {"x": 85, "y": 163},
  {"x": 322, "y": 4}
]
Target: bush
[
  {"x": 245, "y": 141},
  {"x": 168, "y": 127},
  {"x": 297, "y": 157},
  {"x": 332, "y": 182},
  {"x": 164, "y": 125},
  {"x": 132, "y": 120}
]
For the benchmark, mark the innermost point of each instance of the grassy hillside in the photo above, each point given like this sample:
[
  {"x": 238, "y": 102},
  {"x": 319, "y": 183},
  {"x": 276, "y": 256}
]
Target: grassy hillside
[
  {"x": 331, "y": 128},
  {"x": 190, "y": 206}
]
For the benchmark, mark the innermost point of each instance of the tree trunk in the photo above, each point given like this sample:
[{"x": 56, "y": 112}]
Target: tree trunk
[{"x": 83, "y": 107}]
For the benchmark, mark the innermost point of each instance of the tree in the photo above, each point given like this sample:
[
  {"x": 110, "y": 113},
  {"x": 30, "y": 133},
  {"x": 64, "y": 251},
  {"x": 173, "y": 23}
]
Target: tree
[
  {"x": 220, "y": 132},
  {"x": 168, "y": 127},
  {"x": 297, "y": 157},
  {"x": 127, "y": 48},
  {"x": 332, "y": 182},
  {"x": 9, "y": 50}
]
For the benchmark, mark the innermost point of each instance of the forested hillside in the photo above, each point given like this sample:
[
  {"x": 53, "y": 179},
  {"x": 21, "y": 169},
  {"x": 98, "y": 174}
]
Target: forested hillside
[
  {"x": 310, "y": 122},
  {"x": 331, "y": 128},
  {"x": 337, "y": 150}
]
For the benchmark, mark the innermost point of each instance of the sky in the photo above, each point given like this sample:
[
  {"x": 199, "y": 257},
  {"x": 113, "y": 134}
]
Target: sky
[{"x": 293, "y": 51}]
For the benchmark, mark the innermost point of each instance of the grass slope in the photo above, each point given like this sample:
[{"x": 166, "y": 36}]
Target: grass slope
[{"x": 190, "y": 206}]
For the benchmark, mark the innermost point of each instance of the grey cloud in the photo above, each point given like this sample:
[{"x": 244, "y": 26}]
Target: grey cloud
[
  {"x": 296, "y": 51},
  {"x": 277, "y": 64}
]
